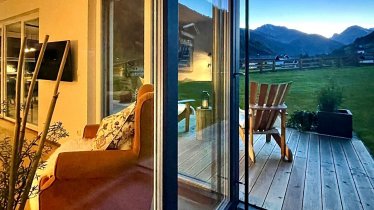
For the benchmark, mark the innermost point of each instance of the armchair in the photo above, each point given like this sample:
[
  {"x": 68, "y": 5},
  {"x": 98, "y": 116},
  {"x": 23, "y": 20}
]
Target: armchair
[{"x": 106, "y": 179}]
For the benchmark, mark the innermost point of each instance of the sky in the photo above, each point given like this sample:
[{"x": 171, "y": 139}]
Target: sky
[{"x": 324, "y": 17}]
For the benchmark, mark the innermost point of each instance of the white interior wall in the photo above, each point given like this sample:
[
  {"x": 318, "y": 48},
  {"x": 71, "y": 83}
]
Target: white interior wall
[
  {"x": 80, "y": 101},
  {"x": 62, "y": 21},
  {"x": 201, "y": 68}
]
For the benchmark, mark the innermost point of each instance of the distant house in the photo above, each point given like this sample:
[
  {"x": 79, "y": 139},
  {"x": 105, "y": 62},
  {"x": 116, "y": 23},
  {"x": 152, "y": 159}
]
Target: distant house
[
  {"x": 195, "y": 46},
  {"x": 366, "y": 59},
  {"x": 361, "y": 51}
]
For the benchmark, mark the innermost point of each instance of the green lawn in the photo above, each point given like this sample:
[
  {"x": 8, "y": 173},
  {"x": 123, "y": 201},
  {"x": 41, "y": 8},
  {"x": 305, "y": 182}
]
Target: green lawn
[{"x": 357, "y": 84}]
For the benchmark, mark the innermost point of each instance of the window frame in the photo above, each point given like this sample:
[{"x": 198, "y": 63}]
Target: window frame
[{"x": 3, "y": 24}]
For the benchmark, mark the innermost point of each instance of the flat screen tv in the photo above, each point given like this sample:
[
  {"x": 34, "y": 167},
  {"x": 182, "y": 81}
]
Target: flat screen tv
[{"x": 52, "y": 60}]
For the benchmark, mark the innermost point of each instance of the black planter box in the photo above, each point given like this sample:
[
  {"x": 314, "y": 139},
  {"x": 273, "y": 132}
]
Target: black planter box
[{"x": 335, "y": 123}]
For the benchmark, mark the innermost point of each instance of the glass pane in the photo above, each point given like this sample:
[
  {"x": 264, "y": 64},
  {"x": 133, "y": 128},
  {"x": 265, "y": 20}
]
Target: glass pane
[
  {"x": 203, "y": 109},
  {"x": 126, "y": 55},
  {"x": 32, "y": 34},
  {"x": 123, "y": 30},
  {"x": 329, "y": 58},
  {"x": 13, "y": 41}
]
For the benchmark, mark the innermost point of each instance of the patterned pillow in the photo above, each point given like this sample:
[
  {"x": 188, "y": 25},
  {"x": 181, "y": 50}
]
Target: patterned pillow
[{"x": 116, "y": 131}]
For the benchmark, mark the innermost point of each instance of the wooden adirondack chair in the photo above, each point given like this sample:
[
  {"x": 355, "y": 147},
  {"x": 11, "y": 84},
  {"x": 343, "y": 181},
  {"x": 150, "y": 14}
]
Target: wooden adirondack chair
[
  {"x": 263, "y": 112},
  {"x": 184, "y": 111}
]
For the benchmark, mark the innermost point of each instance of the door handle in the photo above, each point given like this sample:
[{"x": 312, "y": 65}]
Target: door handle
[{"x": 239, "y": 74}]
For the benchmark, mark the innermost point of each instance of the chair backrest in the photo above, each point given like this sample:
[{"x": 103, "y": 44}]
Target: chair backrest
[
  {"x": 267, "y": 95},
  {"x": 144, "y": 122}
]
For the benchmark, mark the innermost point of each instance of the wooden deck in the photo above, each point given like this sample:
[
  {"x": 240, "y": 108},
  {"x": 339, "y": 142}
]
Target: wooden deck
[{"x": 327, "y": 172}]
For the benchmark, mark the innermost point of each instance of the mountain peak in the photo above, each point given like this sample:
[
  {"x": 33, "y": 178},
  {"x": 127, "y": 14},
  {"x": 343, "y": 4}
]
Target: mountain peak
[
  {"x": 270, "y": 26},
  {"x": 350, "y": 34},
  {"x": 279, "y": 33},
  {"x": 354, "y": 27}
]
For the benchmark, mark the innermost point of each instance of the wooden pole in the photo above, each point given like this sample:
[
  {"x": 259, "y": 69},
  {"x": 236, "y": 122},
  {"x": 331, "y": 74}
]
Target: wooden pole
[
  {"x": 38, "y": 154},
  {"x": 31, "y": 90},
  {"x": 15, "y": 156}
]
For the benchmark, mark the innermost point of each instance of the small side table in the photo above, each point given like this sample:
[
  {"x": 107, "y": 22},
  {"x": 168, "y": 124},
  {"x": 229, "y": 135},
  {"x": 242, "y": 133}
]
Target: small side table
[{"x": 204, "y": 118}]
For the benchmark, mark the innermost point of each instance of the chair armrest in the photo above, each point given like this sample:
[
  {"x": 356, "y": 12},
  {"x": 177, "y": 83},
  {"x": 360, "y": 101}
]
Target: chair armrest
[
  {"x": 45, "y": 182},
  {"x": 186, "y": 101},
  {"x": 93, "y": 164},
  {"x": 90, "y": 131},
  {"x": 278, "y": 107}
]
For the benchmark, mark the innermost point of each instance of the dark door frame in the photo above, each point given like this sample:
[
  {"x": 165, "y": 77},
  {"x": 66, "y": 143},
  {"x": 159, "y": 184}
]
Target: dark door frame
[
  {"x": 169, "y": 108},
  {"x": 234, "y": 94}
]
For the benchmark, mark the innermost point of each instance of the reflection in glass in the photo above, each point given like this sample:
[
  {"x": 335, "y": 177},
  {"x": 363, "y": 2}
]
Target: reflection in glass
[
  {"x": 13, "y": 40},
  {"x": 32, "y": 40},
  {"x": 126, "y": 57},
  {"x": 203, "y": 73}
]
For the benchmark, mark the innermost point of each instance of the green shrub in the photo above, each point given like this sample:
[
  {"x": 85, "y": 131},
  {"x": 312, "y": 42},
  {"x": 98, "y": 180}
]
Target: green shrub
[
  {"x": 330, "y": 98},
  {"x": 303, "y": 120}
]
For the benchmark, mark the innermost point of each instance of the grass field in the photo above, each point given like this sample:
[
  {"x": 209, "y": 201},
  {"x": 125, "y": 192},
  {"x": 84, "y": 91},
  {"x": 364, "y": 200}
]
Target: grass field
[{"x": 357, "y": 84}]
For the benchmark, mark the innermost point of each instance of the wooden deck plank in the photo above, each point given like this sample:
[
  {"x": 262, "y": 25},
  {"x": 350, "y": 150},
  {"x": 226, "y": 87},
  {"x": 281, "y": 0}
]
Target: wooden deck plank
[
  {"x": 189, "y": 150},
  {"x": 192, "y": 158},
  {"x": 347, "y": 189},
  {"x": 294, "y": 193},
  {"x": 200, "y": 162},
  {"x": 260, "y": 146},
  {"x": 330, "y": 192},
  {"x": 255, "y": 169},
  {"x": 261, "y": 158},
  {"x": 186, "y": 146},
  {"x": 332, "y": 170},
  {"x": 262, "y": 185},
  {"x": 363, "y": 185},
  {"x": 365, "y": 158},
  {"x": 206, "y": 173},
  {"x": 312, "y": 189},
  {"x": 277, "y": 190}
]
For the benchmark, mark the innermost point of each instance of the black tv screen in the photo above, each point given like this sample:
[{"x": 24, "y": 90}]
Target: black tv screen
[{"x": 52, "y": 60}]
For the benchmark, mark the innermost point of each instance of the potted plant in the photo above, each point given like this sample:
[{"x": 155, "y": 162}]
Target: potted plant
[
  {"x": 331, "y": 120},
  {"x": 20, "y": 157},
  {"x": 303, "y": 120}
]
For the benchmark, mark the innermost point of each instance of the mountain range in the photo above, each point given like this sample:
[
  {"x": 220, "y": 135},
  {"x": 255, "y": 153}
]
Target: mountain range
[
  {"x": 350, "y": 34},
  {"x": 275, "y": 40},
  {"x": 365, "y": 43}
]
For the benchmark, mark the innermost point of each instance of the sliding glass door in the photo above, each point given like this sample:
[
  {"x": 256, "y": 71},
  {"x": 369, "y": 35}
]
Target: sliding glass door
[
  {"x": 10, "y": 45},
  {"x": 124, "y": 52},
  {"x": 13, "y": 44},
  {"x": 31, "y": 29},
  {"x": 185, "y": 49},
  {"x": 204, "y": 102}
]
